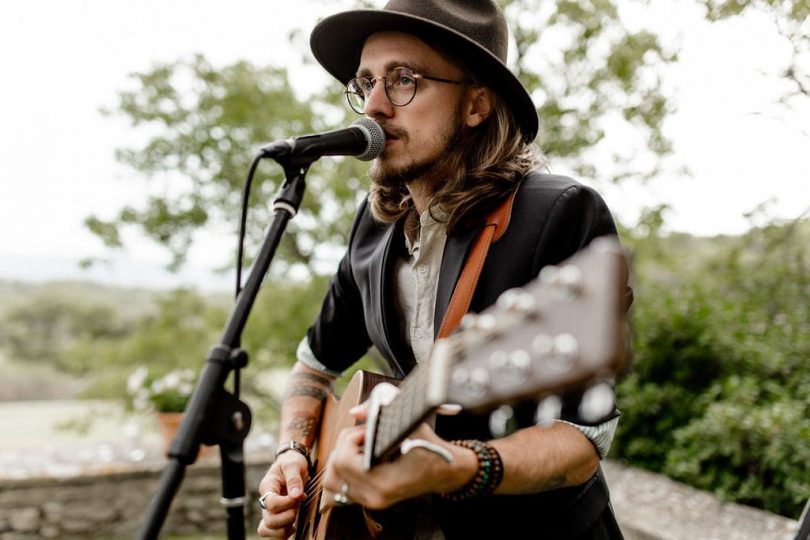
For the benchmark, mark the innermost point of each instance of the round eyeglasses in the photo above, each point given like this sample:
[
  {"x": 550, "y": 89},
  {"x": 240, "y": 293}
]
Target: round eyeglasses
[{"x": 400, "y": 87}]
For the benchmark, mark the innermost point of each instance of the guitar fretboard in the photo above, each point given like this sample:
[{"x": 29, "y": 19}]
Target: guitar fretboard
[{"x": 407, "y": 409}]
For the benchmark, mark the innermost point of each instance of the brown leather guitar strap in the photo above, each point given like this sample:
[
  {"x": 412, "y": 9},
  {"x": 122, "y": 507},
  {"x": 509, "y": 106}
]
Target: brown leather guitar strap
[{"x": 496, "y": 224}]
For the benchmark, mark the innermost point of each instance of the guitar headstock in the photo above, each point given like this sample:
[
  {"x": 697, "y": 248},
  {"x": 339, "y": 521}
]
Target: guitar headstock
[{"x": 561, "y": 331}]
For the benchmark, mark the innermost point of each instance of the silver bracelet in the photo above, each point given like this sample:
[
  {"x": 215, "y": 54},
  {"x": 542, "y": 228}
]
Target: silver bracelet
[
  {"x": 409, "y": 444},
  {"x": 298, "y": 447}
]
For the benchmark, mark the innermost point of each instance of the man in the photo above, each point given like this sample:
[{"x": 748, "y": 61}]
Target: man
[{"x": 458, "y": 127}]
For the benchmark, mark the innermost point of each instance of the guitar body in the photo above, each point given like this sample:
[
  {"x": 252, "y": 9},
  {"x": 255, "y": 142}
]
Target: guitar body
[{"x": 314, "y": 521}]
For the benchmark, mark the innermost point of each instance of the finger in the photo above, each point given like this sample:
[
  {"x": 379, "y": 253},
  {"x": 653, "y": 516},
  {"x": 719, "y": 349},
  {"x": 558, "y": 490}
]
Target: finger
[
  {"x": 277, "y": 504},
  {"x": 293, "y": 477},
  {"x": 265, "y": 532},
  {"x": 280, "y": 520},
  {"x": 355, "y": 436},
  {"x": 359, "y": 412}
]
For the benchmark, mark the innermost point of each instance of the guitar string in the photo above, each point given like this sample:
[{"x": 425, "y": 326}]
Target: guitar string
[
  {"x": 314, "y": 486},
  {"x": 409, "y": 398}
]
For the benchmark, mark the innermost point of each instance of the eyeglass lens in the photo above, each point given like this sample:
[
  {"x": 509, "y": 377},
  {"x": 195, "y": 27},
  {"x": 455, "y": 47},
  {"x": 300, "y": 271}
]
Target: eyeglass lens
[{"x": 400, "y": 87}]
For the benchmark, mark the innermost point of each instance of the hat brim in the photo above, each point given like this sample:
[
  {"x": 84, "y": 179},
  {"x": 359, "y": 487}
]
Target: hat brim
[{"x": 338, "y": 40}]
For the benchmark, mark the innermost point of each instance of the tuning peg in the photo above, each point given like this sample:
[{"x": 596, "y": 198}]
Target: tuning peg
[
  {"x": 558, "y": 353},
  {"x": 597, "y": 402},
  {"x": 548, "y": 410},
  {"x": 474, "y": 382},
  {"x": 484, "y": 322},
  {"x": 518, "y": 300},
  {"x": 502, "y": 421},
  {"x": 510, "y": 368},
  {"x": 567, "y": 280}
]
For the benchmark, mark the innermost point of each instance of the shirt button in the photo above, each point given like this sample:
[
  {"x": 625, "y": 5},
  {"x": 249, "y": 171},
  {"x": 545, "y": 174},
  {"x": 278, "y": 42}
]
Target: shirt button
[
  {"x": 421, "y": 268},
  {"x": 418, "y": 334}
]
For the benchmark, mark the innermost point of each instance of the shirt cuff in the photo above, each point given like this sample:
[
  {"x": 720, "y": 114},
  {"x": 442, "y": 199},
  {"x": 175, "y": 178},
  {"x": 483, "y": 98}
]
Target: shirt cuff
[
  {"x": 305, "y": 355},
  {"x": 601, "y": 436}
]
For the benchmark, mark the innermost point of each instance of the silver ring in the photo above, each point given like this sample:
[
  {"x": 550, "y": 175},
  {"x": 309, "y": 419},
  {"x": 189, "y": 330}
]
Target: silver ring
[
  {"x": 261, "y": 501},
  {"x": 342, "y": 497}
]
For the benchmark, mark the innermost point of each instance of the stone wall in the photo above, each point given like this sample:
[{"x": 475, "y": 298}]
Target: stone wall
[
  {"x": 652, "y": 507},
  {"x": 110, "y": 504}
]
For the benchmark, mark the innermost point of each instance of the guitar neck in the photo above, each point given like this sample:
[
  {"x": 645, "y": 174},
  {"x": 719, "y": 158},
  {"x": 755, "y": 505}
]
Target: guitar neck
[
  {"x": 561, "y": 331},
  {"x": 397, "y": 419}
]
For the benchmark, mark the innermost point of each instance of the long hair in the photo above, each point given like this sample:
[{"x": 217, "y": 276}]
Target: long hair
[{"x": 478, "y": 170}]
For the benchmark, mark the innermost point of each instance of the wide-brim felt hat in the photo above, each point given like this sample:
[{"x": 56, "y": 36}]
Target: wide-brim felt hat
[{"x": 473, "y": 31}]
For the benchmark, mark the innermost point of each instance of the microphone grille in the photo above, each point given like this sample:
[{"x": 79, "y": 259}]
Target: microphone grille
[{"x": 375, "y": 136}]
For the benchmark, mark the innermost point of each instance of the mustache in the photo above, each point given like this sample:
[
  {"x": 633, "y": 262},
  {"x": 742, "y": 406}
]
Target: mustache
[{"x": 393, "y": 132}]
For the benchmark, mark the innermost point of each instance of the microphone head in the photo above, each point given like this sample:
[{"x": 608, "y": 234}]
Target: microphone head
[{"x": 374, "y": 135}]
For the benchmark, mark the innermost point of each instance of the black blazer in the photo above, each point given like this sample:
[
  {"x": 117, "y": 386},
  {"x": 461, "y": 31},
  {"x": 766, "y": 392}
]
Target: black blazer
[{"x": 552, "y": 218}]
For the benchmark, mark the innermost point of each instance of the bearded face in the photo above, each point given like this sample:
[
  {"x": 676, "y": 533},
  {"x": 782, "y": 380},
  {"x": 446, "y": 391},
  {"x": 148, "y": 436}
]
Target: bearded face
[{"x": 393, "y": 170}]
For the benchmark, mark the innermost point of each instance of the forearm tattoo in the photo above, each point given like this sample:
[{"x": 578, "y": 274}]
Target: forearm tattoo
[
  {"x": 308, "y": 391},
  {"x": 555, "y": 482},
  {"x": 305, "y": 425},
  {"x": 312, "y": 377},
  {"x": 308, "y": 385}
]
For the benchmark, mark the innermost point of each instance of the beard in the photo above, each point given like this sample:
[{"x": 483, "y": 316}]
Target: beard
[{"x": 431, "y": 170}]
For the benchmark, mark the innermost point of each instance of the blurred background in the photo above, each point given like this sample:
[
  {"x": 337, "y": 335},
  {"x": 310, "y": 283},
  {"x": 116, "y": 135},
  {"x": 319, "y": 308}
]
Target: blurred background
[{"x": 128, "y": 130}]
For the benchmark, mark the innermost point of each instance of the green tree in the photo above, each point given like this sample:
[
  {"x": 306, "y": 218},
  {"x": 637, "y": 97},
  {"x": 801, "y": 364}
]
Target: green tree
[
  {"x": 717, "y": 396},
  {"x": 597, "y": 84},
  {"x": 178, "y": 334},
  {"x": 206, "y": 123},
  {"x": 790, "y": 19},
  {"x": 209, "y": 123},
  {"x": 48, "y": 324}
]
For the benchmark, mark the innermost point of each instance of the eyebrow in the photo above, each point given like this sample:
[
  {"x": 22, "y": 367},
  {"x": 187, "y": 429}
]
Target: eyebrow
[{"x": 365, "y": 72}]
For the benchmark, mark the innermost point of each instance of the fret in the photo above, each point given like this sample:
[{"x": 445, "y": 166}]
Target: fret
[{"x": 407, "y": 408}]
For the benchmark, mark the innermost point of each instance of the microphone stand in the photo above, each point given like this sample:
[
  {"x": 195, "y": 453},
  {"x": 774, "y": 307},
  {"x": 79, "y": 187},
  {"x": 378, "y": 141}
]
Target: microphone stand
[{"x": 214, "y": 415}]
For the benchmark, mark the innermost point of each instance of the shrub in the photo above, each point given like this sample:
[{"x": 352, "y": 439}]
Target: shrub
[{"x": 718, "y": 396}]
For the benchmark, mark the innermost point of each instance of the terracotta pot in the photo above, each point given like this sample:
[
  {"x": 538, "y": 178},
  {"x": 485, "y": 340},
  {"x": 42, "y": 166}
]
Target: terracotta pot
[{"x": 168, "y": 423}]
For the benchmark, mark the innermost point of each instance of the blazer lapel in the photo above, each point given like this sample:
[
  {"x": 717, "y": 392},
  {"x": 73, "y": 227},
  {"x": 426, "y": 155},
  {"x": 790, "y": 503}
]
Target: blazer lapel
[{"x": 383, "y": 268}]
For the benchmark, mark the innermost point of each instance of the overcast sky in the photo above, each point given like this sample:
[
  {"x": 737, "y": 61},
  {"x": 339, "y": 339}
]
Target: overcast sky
[{"x": 60, "y": 61}]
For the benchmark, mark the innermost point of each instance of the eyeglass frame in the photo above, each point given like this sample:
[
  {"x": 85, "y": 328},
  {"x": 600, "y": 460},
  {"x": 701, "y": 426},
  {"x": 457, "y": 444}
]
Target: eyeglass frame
[{"x": 416, "y": 76}]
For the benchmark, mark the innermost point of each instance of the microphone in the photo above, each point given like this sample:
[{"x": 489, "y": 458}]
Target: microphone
[{"x": 364, "y": 139}]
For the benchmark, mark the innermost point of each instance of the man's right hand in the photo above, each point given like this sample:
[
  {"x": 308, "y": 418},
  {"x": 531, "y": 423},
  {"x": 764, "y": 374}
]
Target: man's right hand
[{"x": 282, "y": 489}]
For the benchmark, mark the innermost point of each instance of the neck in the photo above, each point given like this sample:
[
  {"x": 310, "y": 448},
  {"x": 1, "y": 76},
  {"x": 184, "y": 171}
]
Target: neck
[{"x": 420, "y": 195}]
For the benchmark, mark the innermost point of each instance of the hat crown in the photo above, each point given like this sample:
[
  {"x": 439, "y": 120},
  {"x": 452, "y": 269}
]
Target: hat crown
[
  {"x": 481, "y": 21},
  {"x": 472, "y": 31}
]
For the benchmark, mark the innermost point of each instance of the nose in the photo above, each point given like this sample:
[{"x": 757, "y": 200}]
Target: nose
[{"x": 377, "y": 103}]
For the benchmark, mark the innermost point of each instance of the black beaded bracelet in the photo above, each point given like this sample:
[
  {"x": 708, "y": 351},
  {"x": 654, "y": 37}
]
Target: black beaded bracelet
[{"x": 487, "y": 477}]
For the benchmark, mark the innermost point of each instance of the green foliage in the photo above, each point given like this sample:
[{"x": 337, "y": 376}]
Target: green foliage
[
  {"x": 717, "y": 396},
  {"x": 592, "y": 76},
  {"x": 206, "y": 123},
  {"x": 178, "y": 335},
  {"x": 790, "y": 19},
  {"x": 750, "y": 445},
  {"x": 43, "y": 327},
  {"x": 280, "y": 319}
]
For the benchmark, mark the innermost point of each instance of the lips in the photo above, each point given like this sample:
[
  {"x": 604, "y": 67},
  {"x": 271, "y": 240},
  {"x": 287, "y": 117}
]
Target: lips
[{"x": 391, "y": 134}]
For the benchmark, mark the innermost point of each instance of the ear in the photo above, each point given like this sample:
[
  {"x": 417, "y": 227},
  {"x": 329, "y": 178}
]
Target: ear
[{"x": 478, "y": 105}]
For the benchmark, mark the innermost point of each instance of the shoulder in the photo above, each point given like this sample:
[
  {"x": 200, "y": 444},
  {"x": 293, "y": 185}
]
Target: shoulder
[
  {"x": 365, "y": 227},
  {"x": 542, "y": 195},
  {"x": 537, "y": 187}
]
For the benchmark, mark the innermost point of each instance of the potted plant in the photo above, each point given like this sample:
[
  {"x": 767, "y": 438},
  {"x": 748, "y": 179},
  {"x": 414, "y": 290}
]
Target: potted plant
[{"x": 167, "y": 396}]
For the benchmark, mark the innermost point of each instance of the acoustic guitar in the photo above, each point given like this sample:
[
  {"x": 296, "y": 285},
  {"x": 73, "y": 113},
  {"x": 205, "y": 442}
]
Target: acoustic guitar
[{"x": 562, "y": 331}]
